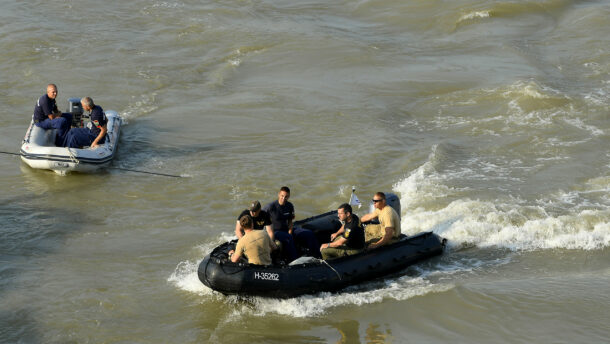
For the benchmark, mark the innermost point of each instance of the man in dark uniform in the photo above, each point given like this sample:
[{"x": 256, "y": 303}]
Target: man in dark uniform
[
  {"x": 47, "y": 116},
  {"x": 95, "y": 134},
  {"x": 261, "y": 220},
  {"x": 349, "y": 239},
  {"x": 282, "y": 214}
]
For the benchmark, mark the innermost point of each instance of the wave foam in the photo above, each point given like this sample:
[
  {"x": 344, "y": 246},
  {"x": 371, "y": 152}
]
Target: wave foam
[{"x": 506, "y": 223}]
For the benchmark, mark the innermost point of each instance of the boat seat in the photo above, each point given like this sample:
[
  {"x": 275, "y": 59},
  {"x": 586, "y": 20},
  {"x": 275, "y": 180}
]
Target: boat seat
[{"x": 42, "y": 137}]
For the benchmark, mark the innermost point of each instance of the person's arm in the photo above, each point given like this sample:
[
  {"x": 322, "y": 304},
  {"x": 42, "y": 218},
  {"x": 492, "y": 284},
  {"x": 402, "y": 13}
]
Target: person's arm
[
  {"x": 271, "y": 235},
  {"x": 290, "y": 226},
  {"x": 235, "y": 257},
  {"x": 337, "y": 233},
  {"x": 238, "y": 251},
  {"x": 238, "y": 232},
  {"x": 387, "y": 236},
  {"x": 99, "y": 137},
  {"x": 368, "y": 217},
  {"x": 337, "y": 242}
]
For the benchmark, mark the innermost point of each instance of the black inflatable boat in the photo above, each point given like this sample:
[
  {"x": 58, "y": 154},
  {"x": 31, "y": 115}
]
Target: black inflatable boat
[{"x": 309, "y": 275}]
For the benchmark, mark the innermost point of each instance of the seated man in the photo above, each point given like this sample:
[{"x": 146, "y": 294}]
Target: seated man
[
  {"x": 389, "y": 222},
  {"x": 349, "y": 239},
  {"x": 255, "y": 245},
  {"x": 282, "y": 214},
  {"x": 260, "y": 219},
  {"x": 95, "y": 134},
  {"x": 47, "y": 116}
]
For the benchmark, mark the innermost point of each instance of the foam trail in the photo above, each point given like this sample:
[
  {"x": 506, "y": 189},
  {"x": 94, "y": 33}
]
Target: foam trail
[{"x": 505, "y": 223}]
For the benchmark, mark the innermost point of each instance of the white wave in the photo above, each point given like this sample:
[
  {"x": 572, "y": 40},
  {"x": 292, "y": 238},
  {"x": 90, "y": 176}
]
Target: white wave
[
  {"x": 138, "y": 107},
  {"x": 400, "y": 289},
  {"x": 185, "y": 274},
  {"x": 474, "y": 15},
  {"x": 578, "y": 123},
  {"x": 507, "y": 223}
]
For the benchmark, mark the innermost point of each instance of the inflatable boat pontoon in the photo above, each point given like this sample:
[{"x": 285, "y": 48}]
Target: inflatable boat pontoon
[
  {"x": 310, "y": 275},
  {"x": 38, "y": 149}
]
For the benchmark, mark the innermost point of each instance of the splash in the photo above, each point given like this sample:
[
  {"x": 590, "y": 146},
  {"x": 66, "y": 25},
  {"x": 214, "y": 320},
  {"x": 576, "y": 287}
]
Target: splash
[
  {"x": 139, "y": 107},
  {"x": 474, "y": 15},
  {"x": 507, "y": 223}
]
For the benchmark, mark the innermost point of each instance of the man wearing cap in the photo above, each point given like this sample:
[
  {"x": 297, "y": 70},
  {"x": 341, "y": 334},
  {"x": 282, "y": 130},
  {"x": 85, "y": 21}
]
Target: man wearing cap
[
  {"x": 389, "y": 222},
  {"x": 261, "y": 220},
  {"x": 47, "y": 116}
]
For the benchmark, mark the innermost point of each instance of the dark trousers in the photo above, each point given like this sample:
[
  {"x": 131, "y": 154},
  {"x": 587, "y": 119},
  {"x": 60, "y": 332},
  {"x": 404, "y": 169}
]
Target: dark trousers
[
  {"x": 306, "y": 242},
  {"x": 289, "y": 252},
  {"x": 80, "y": 137},
  {"x": 62, "y": 124}
]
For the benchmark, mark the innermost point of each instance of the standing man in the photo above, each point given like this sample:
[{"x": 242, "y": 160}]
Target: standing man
[
  {"x": 95, "y": 133},
  {"x": 349, "y": 239},
  {"x": 388, "y": 219},
  {"x": 47, "y": 116},
  {"x": 261, "y": 220}
]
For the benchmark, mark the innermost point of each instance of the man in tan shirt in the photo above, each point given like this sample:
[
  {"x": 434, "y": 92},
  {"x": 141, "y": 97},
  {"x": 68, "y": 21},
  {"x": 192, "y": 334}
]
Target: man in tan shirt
[
  {"x": 388, "y": 219},
  {"x": 255, "y": 245}
]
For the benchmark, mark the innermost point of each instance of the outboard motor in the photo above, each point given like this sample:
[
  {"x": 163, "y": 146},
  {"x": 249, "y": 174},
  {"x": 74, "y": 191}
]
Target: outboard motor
[
  {"x": 75, "y": 107},
  {"x": 392, "y": 200}
]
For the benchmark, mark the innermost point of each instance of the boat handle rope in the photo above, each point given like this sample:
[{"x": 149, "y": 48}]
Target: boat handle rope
[
  {"x": 72, "y": 156},
  {"x": 333, "y": 269}
]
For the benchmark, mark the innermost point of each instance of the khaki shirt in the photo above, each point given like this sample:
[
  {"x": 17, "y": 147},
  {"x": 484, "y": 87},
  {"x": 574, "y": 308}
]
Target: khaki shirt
[
  {"x": 388, "y": 218},
  {"x": 255, "y": 245}
]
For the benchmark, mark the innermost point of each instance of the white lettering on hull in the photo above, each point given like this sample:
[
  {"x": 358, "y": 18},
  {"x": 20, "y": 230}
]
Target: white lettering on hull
[{"x": 267, "y": 276}]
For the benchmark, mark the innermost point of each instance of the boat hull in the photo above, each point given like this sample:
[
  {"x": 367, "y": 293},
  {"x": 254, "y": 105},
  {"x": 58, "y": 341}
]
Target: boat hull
[{"x": 218, "y": 273}]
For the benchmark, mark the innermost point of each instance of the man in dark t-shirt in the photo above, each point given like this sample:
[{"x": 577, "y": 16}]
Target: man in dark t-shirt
[
  {"x": 96, "y": 132},
  {"x": 349, "y": 239},
  {"x": 282, "y": 214},
  {"x": 261, "y": 220},
  {"x": 47, "y": 116}
]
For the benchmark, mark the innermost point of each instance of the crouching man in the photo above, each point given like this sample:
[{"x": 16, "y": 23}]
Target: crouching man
[{"x": 255, "y": 244}]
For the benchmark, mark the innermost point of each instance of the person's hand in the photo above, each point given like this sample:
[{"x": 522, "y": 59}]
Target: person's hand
[
  {"x": 231, "y": 252},
  {"x": 333, "y": 236},
  {"x": 94, "y": 144}
]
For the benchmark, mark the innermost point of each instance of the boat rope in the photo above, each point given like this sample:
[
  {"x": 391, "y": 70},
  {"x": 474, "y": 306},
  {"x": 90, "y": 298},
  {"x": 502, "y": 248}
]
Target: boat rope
[
  {"x": 333, "y": 269},
  {"x": 9, "y": 153},
  {"x": 72, "y": 156}
]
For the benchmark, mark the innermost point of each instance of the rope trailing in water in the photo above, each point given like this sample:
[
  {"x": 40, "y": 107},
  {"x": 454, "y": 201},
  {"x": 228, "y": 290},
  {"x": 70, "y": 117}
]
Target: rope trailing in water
[
  {"x": 116, "y": 168},
  {"x": 147, "y": 172},
  {"x": 9, "y": 153}
]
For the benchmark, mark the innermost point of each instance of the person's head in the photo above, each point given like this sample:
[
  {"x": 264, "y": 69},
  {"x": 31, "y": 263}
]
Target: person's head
[
  {"x": 87, "y": 103},
  {"x": 283, "y": 195},
  {"x": 52, "y": 91},
  {"x": 255, "y": 208},
  {"x": 246, "y": 222},
  {"x": 344, "y": 211},
  {"x": 379, "y": 200}
]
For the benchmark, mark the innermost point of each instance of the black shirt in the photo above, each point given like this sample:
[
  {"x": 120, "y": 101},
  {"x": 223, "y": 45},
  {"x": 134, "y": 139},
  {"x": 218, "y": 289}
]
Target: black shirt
[
  {"x": 263, "y": 219},
  {"x": 280, "y": 215},
  {"x": 44, "y": 107},
  {"x": 354, "y": 233},
  {"x": 98, "y": 119}
]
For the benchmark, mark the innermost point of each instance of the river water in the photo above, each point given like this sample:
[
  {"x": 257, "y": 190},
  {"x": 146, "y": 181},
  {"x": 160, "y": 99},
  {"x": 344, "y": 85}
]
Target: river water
[{"x": 490, "y": 120}]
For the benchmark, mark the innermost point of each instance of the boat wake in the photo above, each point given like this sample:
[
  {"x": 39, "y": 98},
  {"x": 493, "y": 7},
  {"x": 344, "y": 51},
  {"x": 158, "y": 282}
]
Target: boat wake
[{"x": 575, "y": 219}]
